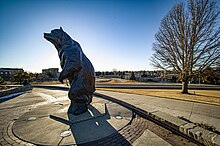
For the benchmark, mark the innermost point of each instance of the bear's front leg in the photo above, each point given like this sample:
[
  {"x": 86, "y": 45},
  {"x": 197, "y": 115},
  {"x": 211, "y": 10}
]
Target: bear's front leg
[
  {"x": 60, "y": 79},
  {"x": 62, "y": 76}
]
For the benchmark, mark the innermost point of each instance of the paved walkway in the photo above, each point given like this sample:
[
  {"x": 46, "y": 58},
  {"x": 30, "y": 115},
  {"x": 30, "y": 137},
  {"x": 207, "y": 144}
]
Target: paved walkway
[
  {"x": 20, "y": 114},
  {"x": 17, "y": 111},
  {"x": 195, "y": 112}
]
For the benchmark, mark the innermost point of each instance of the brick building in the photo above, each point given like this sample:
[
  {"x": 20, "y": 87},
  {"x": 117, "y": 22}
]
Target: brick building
[
  {"x": 7, "y": 73},
  {"x": 50, "y": 73}
]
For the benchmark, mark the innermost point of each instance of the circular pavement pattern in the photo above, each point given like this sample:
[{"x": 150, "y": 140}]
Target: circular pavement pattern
[{"x": 105, "y": 123}]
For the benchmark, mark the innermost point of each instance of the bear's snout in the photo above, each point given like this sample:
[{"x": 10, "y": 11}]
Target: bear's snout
[
  {"x": 49, "y": 37},
  {"x": 46, "y": 35}
]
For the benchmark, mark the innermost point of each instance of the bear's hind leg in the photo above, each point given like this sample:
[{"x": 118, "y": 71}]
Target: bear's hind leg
[
  {"x": 82, "y": 108},
  {"x": 77, "y": 108},
  {"x": 73, "y": 107}
]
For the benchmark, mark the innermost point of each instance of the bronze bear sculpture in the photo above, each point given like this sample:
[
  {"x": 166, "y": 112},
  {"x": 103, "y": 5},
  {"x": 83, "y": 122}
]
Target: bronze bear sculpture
[{"x": 76, "y": 67}]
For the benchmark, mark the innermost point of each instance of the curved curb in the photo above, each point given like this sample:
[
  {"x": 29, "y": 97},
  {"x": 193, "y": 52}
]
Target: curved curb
[
  {"x": 187, "y": 130},
  {"x": 15, "y": 90}
]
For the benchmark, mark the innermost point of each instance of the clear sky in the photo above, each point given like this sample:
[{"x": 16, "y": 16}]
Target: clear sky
[{"x": 114, "y": 34}]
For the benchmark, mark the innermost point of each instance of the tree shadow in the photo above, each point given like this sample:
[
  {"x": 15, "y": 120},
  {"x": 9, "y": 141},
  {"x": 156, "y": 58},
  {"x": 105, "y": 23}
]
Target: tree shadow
[{"x": 197, "y": 94}]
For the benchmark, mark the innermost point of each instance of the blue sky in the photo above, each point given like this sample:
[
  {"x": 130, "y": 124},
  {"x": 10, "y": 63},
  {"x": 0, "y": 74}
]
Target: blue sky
[{"x": 114, "y": 34}]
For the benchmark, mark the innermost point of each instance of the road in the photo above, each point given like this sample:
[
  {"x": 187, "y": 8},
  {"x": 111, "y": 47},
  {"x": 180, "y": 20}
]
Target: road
[{"x": 158, "y": 86}]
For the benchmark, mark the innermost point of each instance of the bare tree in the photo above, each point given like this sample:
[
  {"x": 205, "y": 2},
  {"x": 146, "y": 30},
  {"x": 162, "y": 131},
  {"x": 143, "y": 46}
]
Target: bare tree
[{"x": 188, "y": 39}]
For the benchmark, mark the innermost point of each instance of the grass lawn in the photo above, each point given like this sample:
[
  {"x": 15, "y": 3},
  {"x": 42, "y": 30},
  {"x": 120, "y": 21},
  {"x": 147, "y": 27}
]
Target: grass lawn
[
  {"x": 114, "y": 81},
  {"x": 202, "y": 96}
]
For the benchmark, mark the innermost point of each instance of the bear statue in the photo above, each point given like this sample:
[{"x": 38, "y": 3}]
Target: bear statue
[{"x": 76, "y": 67}]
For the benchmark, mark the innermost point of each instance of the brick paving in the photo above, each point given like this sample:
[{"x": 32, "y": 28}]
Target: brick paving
[
  {"x": 10, "y": 111},
  {"x": 8, "y": 115},
  {"x": 124, "y": 137}
]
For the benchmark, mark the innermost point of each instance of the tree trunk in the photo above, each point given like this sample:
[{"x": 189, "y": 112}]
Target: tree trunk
[{"x": 185, "y": 87}]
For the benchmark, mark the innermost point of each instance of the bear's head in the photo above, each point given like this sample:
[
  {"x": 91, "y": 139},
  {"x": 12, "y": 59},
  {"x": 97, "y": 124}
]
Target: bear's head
[{"x": 58, "y": 38}]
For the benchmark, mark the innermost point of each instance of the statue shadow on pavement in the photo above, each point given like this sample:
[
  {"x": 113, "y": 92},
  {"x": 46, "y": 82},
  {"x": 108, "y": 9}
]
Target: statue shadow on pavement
[{"x": 92, "y": 126}]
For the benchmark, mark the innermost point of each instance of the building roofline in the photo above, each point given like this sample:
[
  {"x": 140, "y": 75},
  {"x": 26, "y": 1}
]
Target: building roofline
[{"x": 11, "y": 69}]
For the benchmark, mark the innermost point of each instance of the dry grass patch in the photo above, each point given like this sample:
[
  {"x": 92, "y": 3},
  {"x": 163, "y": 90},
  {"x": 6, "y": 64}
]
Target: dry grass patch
[
  {"x": 5, "y": 87},
  {"x": 202, "y": 96},
  {"x": 114, "y": 81},
  {"x": 46, "y": 83}
]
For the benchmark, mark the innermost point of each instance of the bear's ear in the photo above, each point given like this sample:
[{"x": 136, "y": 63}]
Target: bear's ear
[{"x": 61, "y": 28}]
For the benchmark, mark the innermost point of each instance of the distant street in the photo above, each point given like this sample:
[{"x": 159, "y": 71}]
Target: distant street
[{"x": 158, "y": 86}]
